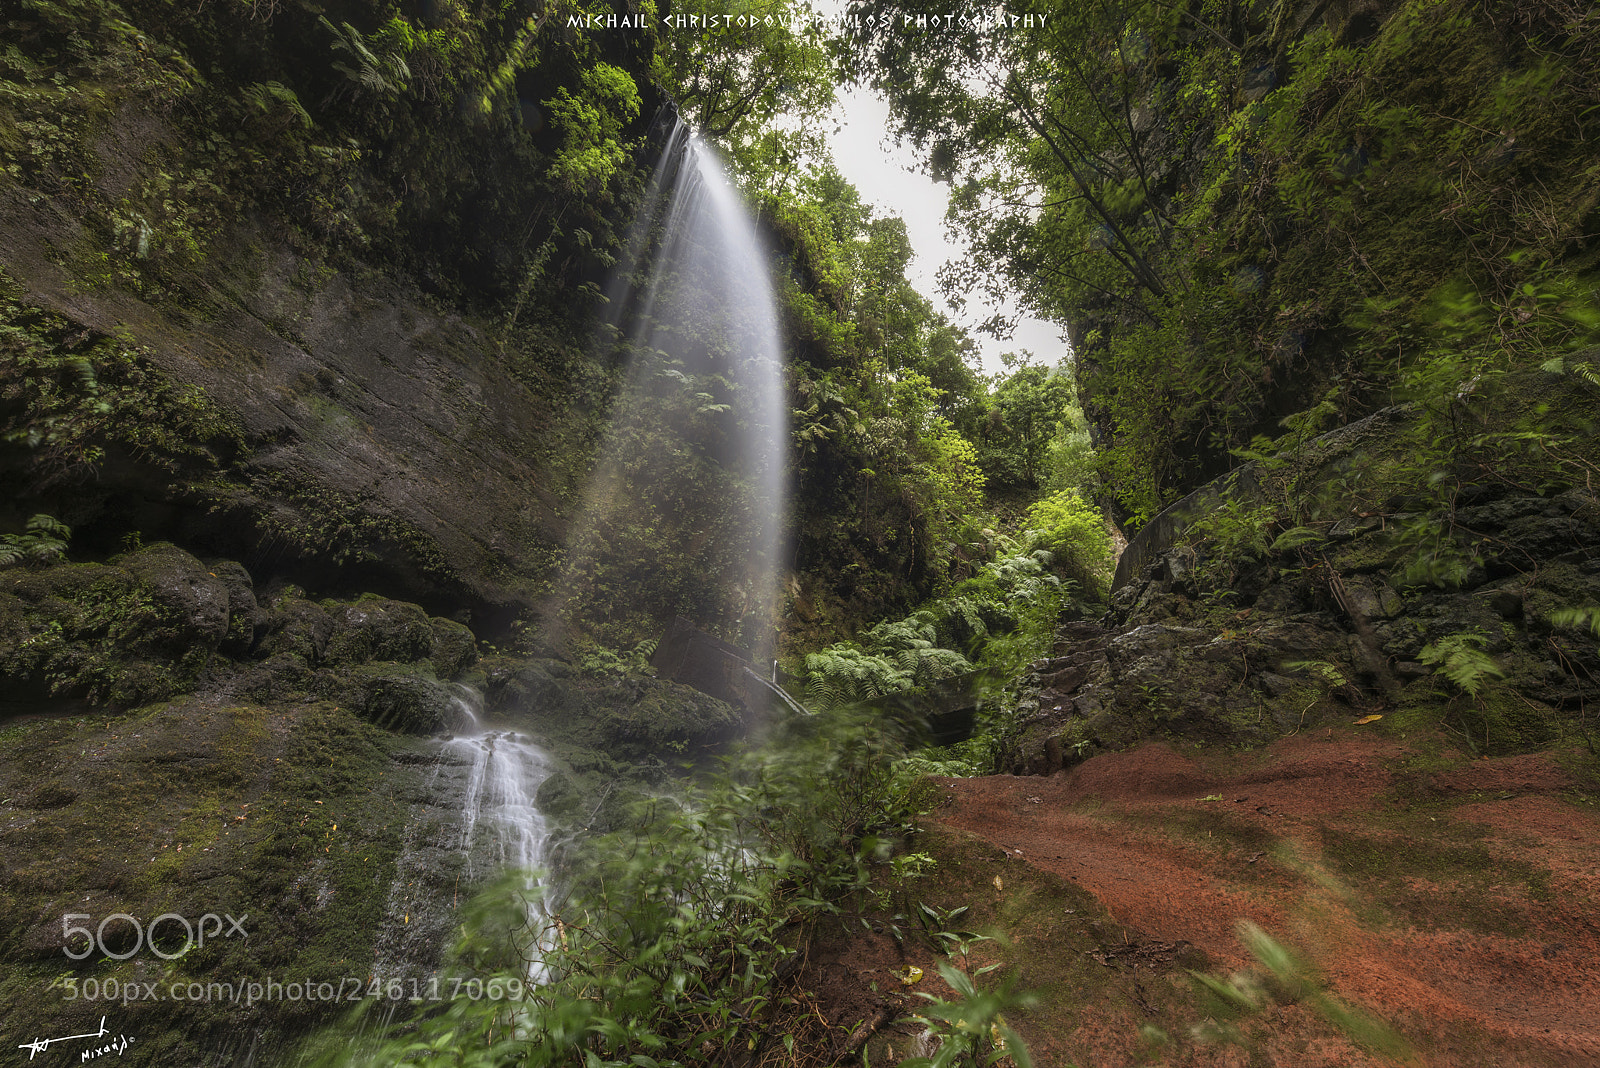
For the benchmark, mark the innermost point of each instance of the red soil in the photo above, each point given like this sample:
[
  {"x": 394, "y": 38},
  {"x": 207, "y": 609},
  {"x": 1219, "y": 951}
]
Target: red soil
[{"x": 1466, "y": 914}]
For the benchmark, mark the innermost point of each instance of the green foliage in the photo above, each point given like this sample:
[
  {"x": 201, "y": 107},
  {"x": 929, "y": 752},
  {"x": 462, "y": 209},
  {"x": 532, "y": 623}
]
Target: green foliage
[
  {"x": 380, "y": 69},
  {"x": 1236, "y": 533},
  {"x": 591, "y": 123},
  {"x": 972, "y": 1030},
  {"x": 1074, "y": 533},
  {"x": 1286, "y": 978},
  {"x": 734, "y": 81},
  {"x": 1216, "y": 201},
  {"x": 597, "y": 661},
  {"x": 981, "y": 634},
  {"x": 670, "y": 941},
  {"x": 1022, "y": 418},
  {"x": 1461, "y": 659},
  {"x": 1584, "y": 617},
  {"x": 43, "y": 541},
  {"x": 268, "y": 97}
]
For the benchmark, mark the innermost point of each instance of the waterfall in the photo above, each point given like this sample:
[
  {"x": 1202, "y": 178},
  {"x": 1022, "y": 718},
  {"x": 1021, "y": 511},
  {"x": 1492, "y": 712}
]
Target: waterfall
[
  {"x": 499, "y": 821},
  {"x": 694, "y": 455},
  {"x": 477, "y": 819}
]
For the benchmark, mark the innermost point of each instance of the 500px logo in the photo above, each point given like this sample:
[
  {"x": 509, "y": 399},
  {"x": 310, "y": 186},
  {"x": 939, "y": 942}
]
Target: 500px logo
[{"x": 194, "y": 935}]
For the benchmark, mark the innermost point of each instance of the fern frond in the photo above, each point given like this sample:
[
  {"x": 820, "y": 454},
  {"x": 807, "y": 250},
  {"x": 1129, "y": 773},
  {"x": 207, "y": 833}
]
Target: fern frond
[{"x": 1461, "y": 659}]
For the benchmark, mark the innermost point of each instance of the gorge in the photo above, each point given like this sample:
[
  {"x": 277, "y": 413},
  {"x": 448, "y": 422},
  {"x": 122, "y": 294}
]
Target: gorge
[{"x": 380, "y": 382}]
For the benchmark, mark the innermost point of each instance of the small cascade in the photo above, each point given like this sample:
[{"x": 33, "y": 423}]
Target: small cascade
[
  {"x": 476, "y": 819},
  {"x": 498, "y": 810},
  {"x": 501, "y": 827}
]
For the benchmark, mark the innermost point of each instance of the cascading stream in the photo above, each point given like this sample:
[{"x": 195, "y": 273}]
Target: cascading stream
[
  {"x": 500, "y": 823},
  {"x": 476, "y": 818}
]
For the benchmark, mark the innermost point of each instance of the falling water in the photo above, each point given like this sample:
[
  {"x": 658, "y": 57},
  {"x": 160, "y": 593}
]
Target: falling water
[
  {"x": 499, "y": 820},
  {"x": 699, "y": 430},
  {"x": 477, "y": 818}
]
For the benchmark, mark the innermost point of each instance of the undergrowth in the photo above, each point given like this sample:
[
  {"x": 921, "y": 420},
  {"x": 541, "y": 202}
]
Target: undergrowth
[{"x": 675, "y": 940}]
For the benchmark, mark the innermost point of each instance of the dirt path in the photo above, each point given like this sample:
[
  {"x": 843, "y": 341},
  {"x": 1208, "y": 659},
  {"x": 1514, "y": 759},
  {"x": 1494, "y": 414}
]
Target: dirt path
[{"x": 1458, "y": 900}]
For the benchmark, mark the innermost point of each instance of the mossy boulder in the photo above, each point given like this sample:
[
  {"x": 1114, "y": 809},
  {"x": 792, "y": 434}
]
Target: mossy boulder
[
  {"x": 295, "y": 626},
  {"x": 192, "y": 602},
  {"x": 453, "y": 648},
  {"x": 140, "y": 629},
  {"x": 513, "y": 684},
  {"x": 409, "y": 704},
  {"x": 653, "y": 716},
  {"x": 243, "y": 611},
  {"x": 379, "y": 629}
]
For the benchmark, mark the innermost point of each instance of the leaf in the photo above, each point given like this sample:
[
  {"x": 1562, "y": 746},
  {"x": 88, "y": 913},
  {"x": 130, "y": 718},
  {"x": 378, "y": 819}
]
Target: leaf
[
  {"x": 1368, "y": 719},
  {"x": 1296, "y": 537},
  {"x": 910, "y": 975}
]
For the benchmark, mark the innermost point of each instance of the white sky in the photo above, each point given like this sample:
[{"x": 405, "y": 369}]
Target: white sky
[{"x": 886, "y": 176}]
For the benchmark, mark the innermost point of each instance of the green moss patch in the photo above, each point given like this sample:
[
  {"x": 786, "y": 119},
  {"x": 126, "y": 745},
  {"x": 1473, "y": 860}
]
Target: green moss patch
[{"x": 1438, "y": 879}]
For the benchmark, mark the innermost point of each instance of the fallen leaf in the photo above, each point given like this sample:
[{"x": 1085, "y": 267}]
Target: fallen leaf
[
  {"x": 1368, "y": 719},
  {"x": 998, "y": 885},
  {"x": 909, "y": 975}
]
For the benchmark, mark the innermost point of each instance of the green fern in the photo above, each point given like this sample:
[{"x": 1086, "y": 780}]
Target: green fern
[
  {"x": 1585, "y": 618},
  {"x": 382, "y": 73},
  {"x": 843, "y": 674},
  {"x": 1461, "y": 659},
  {"x": 44, "y": 541},
  {"x": 268, "y": 96}
]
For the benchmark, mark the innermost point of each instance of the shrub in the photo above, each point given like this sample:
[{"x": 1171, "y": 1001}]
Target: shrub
[{"x": 1074, "y": 533}]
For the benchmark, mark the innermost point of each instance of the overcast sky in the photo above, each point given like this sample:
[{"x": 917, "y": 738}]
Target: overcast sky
[{"x": 886, "y": 176}]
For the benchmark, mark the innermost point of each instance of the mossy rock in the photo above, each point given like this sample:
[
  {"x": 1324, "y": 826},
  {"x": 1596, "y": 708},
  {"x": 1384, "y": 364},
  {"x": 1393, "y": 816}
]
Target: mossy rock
[
  {"x": 653, "y": 717},
  {"x": 243, "y": 610},
  {"x": 192, "y": 601},
  {"x": 453, "y": 649},
  {"x": 1500, "y": 721},
  {"x": 294, "y": 626},
  {"x": 379, "y": 629},
  {"x": 514, "y": 684},
  {"x": 409, "y": 704},
  {"x": 139, "y": 630}
]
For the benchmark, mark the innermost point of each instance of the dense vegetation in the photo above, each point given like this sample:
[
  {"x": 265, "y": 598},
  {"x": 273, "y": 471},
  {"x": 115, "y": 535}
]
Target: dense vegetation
[
  {"x": 1258, "y": 220},
  {"x": 495, "y": 162},
  {"x": 1251, "y": 210}
]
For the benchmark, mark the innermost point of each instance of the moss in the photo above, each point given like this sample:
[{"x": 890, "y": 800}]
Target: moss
[
  {"x": 1500, "y": 721},
  {"x": 1443, "y": 878},
  {"x": 292, "y": 817},
  {"x": 1420, "y": 711}
]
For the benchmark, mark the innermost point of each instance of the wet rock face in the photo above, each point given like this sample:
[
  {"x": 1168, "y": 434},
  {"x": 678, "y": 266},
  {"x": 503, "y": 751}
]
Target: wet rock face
[
  {"x": 382, "y": 433},
  {"x": 1332, "y": 635}
]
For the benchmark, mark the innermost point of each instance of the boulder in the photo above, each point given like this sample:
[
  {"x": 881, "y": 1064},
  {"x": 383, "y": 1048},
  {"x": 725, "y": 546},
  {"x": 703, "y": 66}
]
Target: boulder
[{"x": 375, "y": 628}]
